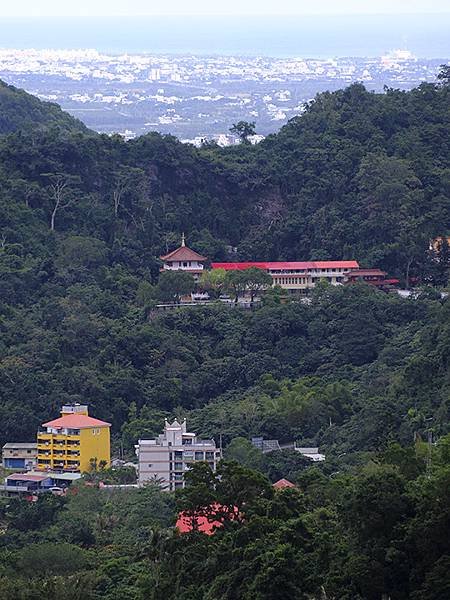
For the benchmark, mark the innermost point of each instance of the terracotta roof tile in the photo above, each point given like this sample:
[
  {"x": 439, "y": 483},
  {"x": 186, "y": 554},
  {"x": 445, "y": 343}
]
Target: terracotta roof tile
[
  {"x": 75, "y": 422},
  {"x": 183, "y": 253},
  {"x": 283, "y": 483}
]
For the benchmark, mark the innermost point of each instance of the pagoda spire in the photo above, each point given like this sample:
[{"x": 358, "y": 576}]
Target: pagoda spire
[{"x": 183, "y": 240}]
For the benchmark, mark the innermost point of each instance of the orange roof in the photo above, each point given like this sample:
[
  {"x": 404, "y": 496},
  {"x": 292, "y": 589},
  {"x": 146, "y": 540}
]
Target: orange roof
[
  {"x": 283, "y": 483},
  {"x": 76, "y": 422},
  {"x": 185, "y": 523},
  {"x": 183, "y": 253}
]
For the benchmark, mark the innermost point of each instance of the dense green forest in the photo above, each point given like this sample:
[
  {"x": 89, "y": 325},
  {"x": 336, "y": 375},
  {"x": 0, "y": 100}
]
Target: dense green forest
[
  {"x": 20, "y": 111},
  {"x": 84, "y": 218},
  {"x": 362, "y": 534},
  {"x": 361, "y": 373}
]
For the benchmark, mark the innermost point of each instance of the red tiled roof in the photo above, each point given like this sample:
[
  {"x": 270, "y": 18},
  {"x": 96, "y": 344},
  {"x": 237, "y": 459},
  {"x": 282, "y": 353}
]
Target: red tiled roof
[
  {"x": 76, "y": 422},
  {"x": 283, "y": 483},
  {"x": 367, "y": 272},
  {"x": 25, "y": 477},
  {"x": 184, "y": 522},
  {"x": 183, "y": 253},
  {"x": 292, "y": 266}
]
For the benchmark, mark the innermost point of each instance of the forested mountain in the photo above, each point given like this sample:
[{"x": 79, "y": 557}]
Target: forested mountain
[
  {"x": 84, "y": 218},
  {"x": 359, "y": 175},
  {"x": 361, "y": 373},
  {"x": 20, "y": 111}
]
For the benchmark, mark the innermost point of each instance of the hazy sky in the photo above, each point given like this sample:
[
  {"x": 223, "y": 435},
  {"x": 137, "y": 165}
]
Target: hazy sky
[{"x": 24, "y": 8}]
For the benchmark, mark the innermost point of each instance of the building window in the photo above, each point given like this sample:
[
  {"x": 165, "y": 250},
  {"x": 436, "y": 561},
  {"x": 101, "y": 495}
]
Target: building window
[
  {"x": 209, "y": 456},
  {"x": 199, "y": 456},
  {"x": 178, "y": 466}
]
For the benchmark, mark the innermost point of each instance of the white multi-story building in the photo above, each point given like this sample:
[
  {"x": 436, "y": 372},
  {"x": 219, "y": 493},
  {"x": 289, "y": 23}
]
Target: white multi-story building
[{"x": 166, "y": 458}]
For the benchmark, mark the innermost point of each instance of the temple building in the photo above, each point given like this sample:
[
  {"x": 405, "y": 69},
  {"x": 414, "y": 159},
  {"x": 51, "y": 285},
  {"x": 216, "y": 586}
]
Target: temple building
[{"x": 184, "y": 259}]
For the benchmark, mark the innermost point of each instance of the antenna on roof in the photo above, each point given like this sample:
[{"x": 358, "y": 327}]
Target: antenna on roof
[{"x": 183, "y": 240}]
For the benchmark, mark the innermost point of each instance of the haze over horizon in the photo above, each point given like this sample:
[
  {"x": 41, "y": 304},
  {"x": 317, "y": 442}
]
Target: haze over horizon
[{"x": 93, "y": 8}]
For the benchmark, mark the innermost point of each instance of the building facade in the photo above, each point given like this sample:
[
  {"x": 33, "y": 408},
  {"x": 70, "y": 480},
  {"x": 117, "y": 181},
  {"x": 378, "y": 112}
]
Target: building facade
[
  {"x": 26, "y": 484},
  {"x": 36, "y": 482},
  {"x": 166, "y": 458},
  {"x": 298, "y": 277},
  {"x": 184, "y": 259},
  {"x": 74, "y": 442},
  {"x": 375, "y": 277},
  {"x": 19, "y": 455}
]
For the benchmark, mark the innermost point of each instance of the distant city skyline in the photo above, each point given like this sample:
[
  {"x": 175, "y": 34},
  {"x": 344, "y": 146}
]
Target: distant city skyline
[{"x": 49, "y": 8}]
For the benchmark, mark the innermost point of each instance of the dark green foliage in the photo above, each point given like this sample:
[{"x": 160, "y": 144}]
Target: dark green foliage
[
  {"x": 173, "y": 285},
  {"x": 243, "y": 129},
  {"x": 356, "y": 371},
  {"x": 20, "y": 111}
]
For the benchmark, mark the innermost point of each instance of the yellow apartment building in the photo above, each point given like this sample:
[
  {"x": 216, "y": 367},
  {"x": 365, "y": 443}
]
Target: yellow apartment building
[{"x": 74, "y": 442}]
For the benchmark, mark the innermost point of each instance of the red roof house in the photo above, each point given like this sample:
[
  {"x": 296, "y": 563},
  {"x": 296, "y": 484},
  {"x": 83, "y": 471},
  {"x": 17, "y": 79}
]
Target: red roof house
[
  {"x": 76, "y": 421},
  {"x": 282, "y": 484},
  {"x": 288, "y": 266},
  {"x": 183, "y": 253},
  {"x": 203, "y": 523}
]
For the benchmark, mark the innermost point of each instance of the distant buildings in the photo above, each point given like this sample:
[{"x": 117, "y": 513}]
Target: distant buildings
[
  {"x": 298, "y": 277},
  {"x": 29, "y": 485},
  {"x": 73, "y": 442},
  {"x": 311, "y": 453},
  {"x": 375, "y": 277},
  {"x": 19, "y": 455},
  {"x": 267, "y": 446},
  {"x": 166, "y": 459},
  {"x": 439, "y": 243},
  {"x": 117, "y": 92},
  {"x": 184, "y": 259}
]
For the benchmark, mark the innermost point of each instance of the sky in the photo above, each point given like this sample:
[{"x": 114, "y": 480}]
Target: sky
[{"x": 32, "y": 8}]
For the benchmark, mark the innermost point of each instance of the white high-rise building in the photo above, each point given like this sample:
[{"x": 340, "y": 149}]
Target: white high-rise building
[{"x": 166, "y": 458}]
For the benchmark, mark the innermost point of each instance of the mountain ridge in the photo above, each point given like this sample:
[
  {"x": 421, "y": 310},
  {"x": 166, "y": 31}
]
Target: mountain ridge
[{"x": 21, "y": 111}]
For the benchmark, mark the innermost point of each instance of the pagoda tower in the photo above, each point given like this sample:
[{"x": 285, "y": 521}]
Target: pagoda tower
[{"x": 184, "y": 259}]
